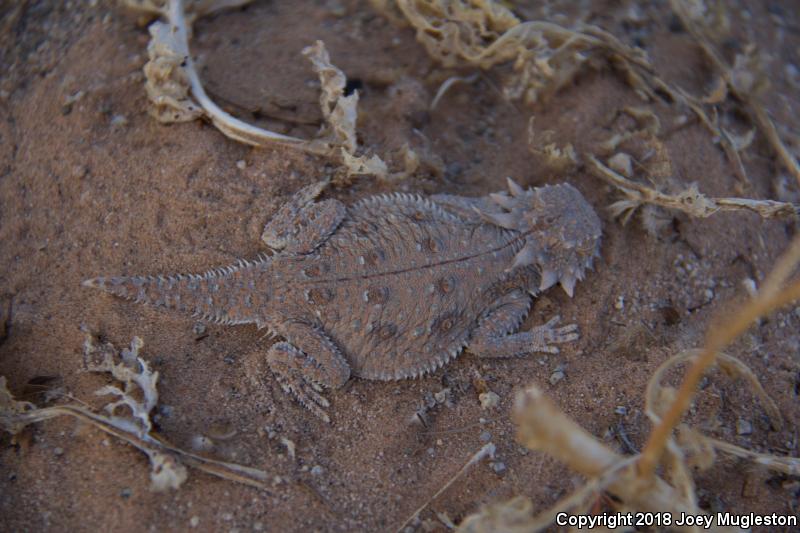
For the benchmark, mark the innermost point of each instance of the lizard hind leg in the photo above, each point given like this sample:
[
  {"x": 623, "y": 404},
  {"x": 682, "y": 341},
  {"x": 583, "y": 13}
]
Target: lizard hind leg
[
  {"x": 302, "y": 224},
  {"x": 494, "y": 337},
  {"x": 305, "y": 364}
]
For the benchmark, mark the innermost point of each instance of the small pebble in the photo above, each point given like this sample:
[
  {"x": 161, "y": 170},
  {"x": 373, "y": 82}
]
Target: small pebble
[
  {"x": 58, "y": 451},
  {"x": 556, "y": 376},
  {"x": 621, "y": 163},
  {"x": 485, "y": 436},
  {"x": 621, "y": 410},
  {"x": 241, "y": 164},
  {"x": 750, "y": 286},
  {"x": 227, "y": 517},
  {"x": 498, "y": 467},
  {"x": 201, "y": 443},
  {"x": 619, "y": 305},
  {"x": 442, "y": 395},
  {"x": 119, "y": 121},
  {"x": 194, "y": 521},
  {"x": 743, "y": 427},
  {"x": 317, "y": 470},
  {"x": 126, "y": 493},
  {"x": 488, "y": 399}
]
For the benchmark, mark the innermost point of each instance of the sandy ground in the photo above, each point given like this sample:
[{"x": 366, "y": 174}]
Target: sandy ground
[{"x": 90, "y": 184}]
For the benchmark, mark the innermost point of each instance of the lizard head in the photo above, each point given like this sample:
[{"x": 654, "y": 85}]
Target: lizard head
[{"x": 562, "y": 231}]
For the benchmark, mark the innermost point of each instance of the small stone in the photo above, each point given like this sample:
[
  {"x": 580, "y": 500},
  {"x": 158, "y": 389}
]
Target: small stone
[
  {"x": 619, "y": 305},
  {"x": 621, "y": 410},
  {"x": 556, "y": 376},
  {"x": 119, "y": 121},
  {"x": 201, "y": 443},
  {"x": 498, "y": 467},
  {"x": 317, "y": 470},
  {"x": 743, "y": 427},
  {"x": 258, "y": 526},
  {"x": 485, "y": 436},
  {"x": 290, "y": 447},
  {"x": 750, "y": 286},
  {"x": 621, "y": 163},
  {"x": 488, "y": 399},
  {"x": 227, "y": 517},
  {"x": 125, "y": 493},
  {"x": 241, "y": 164},
  {"x": 441, "y": 396},
  {"x": 194, "y": 521},
  {"x": 58, "y": 451},
  {"x": 709, "y": 295}
]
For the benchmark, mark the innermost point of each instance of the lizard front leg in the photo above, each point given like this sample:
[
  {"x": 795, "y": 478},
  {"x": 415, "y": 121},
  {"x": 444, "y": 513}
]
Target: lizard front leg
[
  {"x": 307, "y": 361},
  {"x": 302, "y": 224},
  {"x": 493, "y": 337}
]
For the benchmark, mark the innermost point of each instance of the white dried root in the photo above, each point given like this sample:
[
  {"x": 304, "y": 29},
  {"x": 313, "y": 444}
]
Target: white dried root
[
  {"x": 177, "y": 94},
  {"x": 168, "y": 463},
  {"x": 174, "y": 86}
]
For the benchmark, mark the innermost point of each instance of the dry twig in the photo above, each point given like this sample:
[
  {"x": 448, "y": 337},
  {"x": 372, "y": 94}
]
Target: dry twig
[{"x": 690, "y": 201}]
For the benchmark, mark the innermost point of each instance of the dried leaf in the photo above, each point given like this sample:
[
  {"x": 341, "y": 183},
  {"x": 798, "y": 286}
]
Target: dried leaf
[
  {"x": 363, "y": 165},
  {"x": 168, "y": 470},
  {"x": 340, "y": 112},
  {"x": 168, "y": 84}
]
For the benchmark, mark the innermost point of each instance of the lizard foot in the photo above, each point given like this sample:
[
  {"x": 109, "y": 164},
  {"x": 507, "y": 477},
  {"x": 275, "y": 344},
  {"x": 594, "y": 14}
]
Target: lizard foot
[
  {"x": 547, "y": 334},
  {"x": 288, "y": 364}
]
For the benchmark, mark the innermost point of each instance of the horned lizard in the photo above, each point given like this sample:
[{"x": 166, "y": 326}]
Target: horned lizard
[{"x": 394, "y": 286}]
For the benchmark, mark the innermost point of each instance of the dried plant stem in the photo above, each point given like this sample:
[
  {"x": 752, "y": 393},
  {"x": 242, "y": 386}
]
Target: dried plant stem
[
  {"x": 788, "y": 465},
  {"x": 148, "y": 443},
  {"x": 486, "y": 451},
  {"x": 542, "y": 426},
  {"x": 756, "y": 111},
  {"x": 718, "y": 338},
  {"x": 727, "y": 362},
  {"x": 690, "y": 201},
  {"x": 227, "y": 124}
]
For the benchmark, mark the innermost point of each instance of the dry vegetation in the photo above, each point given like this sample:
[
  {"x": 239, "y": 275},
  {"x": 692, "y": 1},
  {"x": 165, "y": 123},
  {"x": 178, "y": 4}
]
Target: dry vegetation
[
  {"x": 128, "y": 418},
  {"x": 544, "y": 57}
]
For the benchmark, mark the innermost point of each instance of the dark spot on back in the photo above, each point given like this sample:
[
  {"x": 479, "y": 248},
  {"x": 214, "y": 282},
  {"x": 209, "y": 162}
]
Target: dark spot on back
[
  {"x": 374, "y": 257},
  {"x": 387, "y": 331},
  {"x": 446, "y": 322},
  {"x": 446, "y": 284},
  {"x": 316, "y": 270},
  {"x": 320, "y": 295},
  {"x": 377, "y": 295}
]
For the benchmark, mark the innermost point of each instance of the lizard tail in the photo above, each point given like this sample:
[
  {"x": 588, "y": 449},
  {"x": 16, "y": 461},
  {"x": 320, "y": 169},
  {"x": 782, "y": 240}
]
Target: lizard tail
[{"x": 228, "y": 295}]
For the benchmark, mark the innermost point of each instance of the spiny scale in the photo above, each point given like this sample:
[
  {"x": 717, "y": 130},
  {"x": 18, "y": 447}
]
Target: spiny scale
[{"x": 395, "y": 286}]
